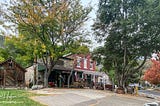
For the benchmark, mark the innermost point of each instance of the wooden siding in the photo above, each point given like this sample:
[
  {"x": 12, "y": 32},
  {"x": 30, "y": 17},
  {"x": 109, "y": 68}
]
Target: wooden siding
[{"x": 11, "y": 74}]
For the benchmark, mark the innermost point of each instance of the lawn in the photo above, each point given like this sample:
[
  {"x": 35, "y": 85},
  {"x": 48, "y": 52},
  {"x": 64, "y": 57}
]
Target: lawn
[{"x": 16, "y": 98}]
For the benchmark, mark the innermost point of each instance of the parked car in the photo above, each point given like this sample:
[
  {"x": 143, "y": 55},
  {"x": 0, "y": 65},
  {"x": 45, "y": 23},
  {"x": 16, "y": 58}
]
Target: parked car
[
  {"x": 151, "y": 104},
  {"x": 141, "y": 88}
]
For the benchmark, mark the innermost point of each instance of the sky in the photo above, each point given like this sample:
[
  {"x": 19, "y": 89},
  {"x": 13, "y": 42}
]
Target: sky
[
  {"x": 94, "y": 4},
  {"x": 92, "y": 15}
]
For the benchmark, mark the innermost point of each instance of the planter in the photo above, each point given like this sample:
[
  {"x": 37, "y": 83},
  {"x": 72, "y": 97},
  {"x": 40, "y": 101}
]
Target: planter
[{"x": 120, "y": 91}]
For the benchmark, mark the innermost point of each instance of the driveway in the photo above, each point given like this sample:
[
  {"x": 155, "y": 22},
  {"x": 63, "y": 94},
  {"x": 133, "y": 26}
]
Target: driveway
[{"x": 87, "y": 97}]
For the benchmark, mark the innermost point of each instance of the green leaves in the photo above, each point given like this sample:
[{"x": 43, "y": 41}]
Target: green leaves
[
  {"x": 54, "y": 24},
  {"x": 130, "y": 30},
  {"x": 2, "y": 59}
]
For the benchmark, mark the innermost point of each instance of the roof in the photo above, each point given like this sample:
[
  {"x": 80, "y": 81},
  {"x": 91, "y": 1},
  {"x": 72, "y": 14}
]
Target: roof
[
  {"x": 57, "y": 67},
  {"x": 70, "y": 55},
  {"x": 67, "y": 54},
  {"x": 60, "y": 67},
  {"x": 10, "y": 59},
  {"x": 66, "y": 58},
  {"x": 91, "y": 72}
]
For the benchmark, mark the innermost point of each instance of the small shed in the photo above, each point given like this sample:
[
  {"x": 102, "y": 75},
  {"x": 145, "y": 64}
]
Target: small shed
[{"x": 11, "y": 74}]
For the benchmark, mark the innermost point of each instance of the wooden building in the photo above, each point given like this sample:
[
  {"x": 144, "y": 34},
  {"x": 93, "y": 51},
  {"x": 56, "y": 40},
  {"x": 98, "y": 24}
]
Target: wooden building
[{"x": 11, "y": 74}]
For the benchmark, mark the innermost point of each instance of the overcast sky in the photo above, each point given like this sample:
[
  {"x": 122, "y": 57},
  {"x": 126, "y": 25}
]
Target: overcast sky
[
  {"x": 92, "y": 15},
  {"x": 94, "y": 4}
]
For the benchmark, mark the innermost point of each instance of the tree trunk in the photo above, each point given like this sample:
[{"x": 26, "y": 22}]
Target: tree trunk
[
  {"x": 122, "y": 82},
  {"x": 46, "y": 78},
  {"x": 35, "y": 74},
  {"x": 69, "y": 78},
  {"x": 121, "y": 85}
]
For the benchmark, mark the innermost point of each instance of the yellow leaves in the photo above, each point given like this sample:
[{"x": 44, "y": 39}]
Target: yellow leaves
[
  {"x": 35, "y": 52},
  {"x": 53, "y": 55},
  {"x": 43, "y": 48},
  {"x": 2, "y": 59},
  {"x": 34, "y": 15}
]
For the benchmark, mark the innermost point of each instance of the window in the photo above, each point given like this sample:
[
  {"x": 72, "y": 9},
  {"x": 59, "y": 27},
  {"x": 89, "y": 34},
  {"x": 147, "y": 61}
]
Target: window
[
  {"x": 85, "y": 63},
  {"x": 78, "y": 62},
  {"x": 91, "y": 65}
]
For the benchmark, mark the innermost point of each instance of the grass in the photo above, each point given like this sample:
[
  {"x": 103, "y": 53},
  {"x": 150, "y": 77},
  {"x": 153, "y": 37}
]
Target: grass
[{"x": 10, "y": 97}]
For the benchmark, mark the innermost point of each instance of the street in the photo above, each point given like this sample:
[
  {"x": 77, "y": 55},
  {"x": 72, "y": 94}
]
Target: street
[
  {"x": 150, "y": 93},
  {"x": 87, "y": 97}
]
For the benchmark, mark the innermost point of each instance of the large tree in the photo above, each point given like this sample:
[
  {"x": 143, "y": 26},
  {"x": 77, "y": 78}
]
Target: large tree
[
  {"x": 130, "y": 30},
  {"x": 56, "y": 24}
]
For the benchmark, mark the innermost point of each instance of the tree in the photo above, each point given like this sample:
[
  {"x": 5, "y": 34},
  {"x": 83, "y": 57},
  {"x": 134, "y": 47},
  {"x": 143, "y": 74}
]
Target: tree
[
  {"x": 16, "y": 48},
  {"x": 129, "y": 29},
  {"x": 152, "y": 75},
  {"x": 1, "y": 59},
  {"x": 55, "y": 24},
  {"x": 78, "y": 48}
]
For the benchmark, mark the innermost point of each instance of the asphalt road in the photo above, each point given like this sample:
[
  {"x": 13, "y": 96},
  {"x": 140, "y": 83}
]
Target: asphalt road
[
  {"x": 87, "y": 97},
  {"x": 119, "y": 100},
  {"x": 157, "y": 93}
]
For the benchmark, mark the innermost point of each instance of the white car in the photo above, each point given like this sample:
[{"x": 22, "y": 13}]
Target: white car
[{"x": 151, "y": 104}]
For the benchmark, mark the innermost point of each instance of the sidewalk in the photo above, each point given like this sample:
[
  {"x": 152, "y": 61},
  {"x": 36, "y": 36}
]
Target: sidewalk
[{"x": 68, "y": 97}]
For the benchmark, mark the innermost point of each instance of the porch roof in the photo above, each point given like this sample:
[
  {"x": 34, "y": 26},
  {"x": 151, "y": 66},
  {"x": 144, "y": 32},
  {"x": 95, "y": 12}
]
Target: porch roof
[
  {"x": 91, "y": 72},
  {"x": 57, "y": 67}
]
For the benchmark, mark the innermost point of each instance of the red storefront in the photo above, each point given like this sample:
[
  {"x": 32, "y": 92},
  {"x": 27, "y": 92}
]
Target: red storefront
[{"x": 84, "y": 69}]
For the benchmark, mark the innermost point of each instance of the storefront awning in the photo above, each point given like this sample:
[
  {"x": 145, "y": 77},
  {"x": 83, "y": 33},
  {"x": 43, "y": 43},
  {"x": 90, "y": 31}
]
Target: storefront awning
[
  {"x": 56, "y": 67},
  {"x": 94, "y": 73},
  {"x": 91, "y": 72}
]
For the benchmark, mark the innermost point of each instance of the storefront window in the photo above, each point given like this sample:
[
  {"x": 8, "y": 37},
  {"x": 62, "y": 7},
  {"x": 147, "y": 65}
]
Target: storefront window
[
  {"x": 85, "y": 63},
  {"x": 79, "y": 62},
  {"x": 91, "y": 65}
]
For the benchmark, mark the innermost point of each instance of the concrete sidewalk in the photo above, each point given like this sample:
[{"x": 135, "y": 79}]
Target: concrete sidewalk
[
  {"x": 62, "y": 99},
  {"x": 69, "y": 97}
]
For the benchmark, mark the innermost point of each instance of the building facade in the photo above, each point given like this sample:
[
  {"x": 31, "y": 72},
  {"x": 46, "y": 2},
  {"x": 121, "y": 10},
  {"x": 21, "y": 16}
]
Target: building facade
[
  {"x": 85, "y": 71},
  {"x": 58, "y": 77},
  {"x": 72, "y": 70}
]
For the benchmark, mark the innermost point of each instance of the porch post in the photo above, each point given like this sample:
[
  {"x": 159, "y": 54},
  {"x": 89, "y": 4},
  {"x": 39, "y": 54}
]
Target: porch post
[
  {"x": 94, "y": 81},
  {"x": 69, "y": 78},
  {"x": 4, "y": 78}
]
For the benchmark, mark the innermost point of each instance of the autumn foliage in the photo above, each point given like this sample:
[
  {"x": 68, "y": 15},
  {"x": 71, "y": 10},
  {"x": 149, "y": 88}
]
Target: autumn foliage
[{"x": 152, "y": 75}]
